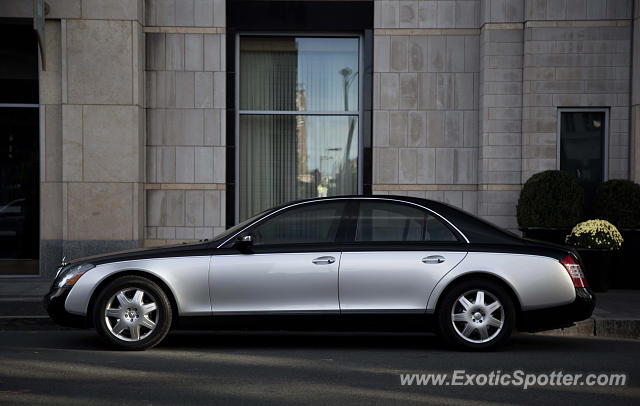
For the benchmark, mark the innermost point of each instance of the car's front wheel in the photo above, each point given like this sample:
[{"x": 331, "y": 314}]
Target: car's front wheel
[
  {"x": 476, "y": 315},
  {"x": 132, "y": 313}
]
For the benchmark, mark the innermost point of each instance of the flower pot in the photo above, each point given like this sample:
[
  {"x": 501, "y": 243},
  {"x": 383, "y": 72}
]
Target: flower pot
[
  {"x": 626, "y": 275},
  {"x": 598, "y": 267},
  {"x": 547, "y": 234}
]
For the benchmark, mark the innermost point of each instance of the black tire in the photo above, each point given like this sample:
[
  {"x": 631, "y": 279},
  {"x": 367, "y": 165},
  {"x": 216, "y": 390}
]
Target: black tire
[
  {"x": 449, "y": 330},
  {"x": 162, "y": 316}
]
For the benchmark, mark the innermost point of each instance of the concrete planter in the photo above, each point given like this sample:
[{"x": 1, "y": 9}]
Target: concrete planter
[
  {"x": 598, "y": 267},
  {"x": 626, "y": 275}
]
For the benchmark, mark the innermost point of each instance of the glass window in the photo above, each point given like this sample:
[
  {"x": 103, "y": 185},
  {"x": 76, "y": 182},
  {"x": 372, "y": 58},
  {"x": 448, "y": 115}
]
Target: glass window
[
  {"x": 385, "y": 221},
  {"x": 282, "y": 73},
  {"x": 582, "y": 148},
  {"x": 298, "y": 129},
  {"x": 309, "y": 223}
]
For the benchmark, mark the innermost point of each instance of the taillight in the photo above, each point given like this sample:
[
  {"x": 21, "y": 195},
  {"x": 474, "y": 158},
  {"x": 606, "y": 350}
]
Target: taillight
[{"x": 575, "y": 272}]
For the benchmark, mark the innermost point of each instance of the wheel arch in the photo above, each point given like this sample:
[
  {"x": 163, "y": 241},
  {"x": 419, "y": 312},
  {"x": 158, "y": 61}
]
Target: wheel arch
[
  {"x": 133, "y": 272},
  {"x": 484, "y": 276}
]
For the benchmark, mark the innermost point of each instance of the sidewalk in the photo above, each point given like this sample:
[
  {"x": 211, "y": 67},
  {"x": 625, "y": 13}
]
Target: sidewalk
[{"x": 617, "y": 314}]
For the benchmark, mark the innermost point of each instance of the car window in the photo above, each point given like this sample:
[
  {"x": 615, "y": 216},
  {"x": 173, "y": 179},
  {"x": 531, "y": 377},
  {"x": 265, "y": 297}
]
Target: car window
[
  {"x": 308, "y": 223},
  {"x": 388, "y": 221}
]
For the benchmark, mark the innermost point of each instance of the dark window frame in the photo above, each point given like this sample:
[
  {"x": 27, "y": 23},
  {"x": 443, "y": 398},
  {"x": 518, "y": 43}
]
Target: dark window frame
[
  {"x": 311, "y": 113},
  {"x": 605, "y": 141},
  {"x": 317, "y": 17}
]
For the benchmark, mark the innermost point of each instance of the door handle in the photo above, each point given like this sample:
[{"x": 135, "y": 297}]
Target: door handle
[
  {"x": 324, "y": 260},
  {"x": 433, "y": 259}
]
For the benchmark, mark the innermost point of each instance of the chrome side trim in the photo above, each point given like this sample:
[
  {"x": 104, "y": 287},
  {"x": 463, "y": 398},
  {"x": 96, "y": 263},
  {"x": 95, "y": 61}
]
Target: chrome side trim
[{"x": 346, "y": 198}]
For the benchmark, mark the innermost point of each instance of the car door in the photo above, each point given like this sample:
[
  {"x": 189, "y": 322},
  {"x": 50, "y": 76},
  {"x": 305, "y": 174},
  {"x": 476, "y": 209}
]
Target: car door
[
  {"x": 399, "y": 254},
  {"x": 291, "y": 265}
]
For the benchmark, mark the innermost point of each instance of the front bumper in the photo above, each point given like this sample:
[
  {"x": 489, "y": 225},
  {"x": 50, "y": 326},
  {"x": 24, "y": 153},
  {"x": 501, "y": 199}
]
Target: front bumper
[
  {"x": 54, "y": 304},
  {"x": 559, "y": 316}
]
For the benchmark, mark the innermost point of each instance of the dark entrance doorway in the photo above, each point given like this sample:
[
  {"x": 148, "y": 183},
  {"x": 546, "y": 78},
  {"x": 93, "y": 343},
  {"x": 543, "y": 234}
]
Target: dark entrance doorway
[{"x": 19, "y": 150}]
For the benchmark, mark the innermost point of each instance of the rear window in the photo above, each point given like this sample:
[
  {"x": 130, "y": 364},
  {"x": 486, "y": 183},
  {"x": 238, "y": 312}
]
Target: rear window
[{"x": 390, "y": 221}]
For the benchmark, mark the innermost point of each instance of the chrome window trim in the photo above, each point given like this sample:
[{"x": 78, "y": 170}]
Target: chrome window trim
[{"x": 346, "y": 198}]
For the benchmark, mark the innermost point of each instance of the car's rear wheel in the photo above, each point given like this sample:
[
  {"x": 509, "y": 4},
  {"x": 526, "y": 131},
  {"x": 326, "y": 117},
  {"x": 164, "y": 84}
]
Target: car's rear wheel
[
  {"x": 132, "y": 313},
  {"x": 476, "y": 315}
]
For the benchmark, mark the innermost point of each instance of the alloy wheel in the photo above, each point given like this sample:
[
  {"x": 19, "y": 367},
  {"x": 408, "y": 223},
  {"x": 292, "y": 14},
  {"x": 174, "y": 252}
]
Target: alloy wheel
[
  {"x": 477, "y": 316},
  {"x": 131, "y": 314}
]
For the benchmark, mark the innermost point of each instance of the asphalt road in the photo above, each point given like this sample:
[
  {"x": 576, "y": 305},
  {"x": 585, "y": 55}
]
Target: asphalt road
[{"x": 74, "y": 368}]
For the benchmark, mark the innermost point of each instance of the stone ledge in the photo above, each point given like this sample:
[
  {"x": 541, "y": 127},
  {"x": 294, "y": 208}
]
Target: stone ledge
[
  {"x": 185, "y": 30},
  {"x": 152, "y": 242},
  {"x": 427, "y": 31},
  {"x": 185, "y": 186},
  {"x": 415, "y": 186},
  {"x": 577, "y": 23},
  {"x": 502, "y": 26}
]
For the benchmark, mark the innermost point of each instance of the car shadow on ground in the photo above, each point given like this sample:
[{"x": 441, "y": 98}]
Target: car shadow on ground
[
  {"x": 185, "y": 340},
  {"x": 88, "y": 340}
]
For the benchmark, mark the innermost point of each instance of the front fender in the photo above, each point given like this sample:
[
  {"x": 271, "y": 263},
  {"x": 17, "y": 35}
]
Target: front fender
[{"x": 186, "y": 277}]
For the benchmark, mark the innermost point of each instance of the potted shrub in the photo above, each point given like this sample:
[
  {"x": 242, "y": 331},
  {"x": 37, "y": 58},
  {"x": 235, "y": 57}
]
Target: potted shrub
[
  {"x": 618, "y": 201},
  {"x": 596, "y": 241},
  {"x": 550, "y": 203}
]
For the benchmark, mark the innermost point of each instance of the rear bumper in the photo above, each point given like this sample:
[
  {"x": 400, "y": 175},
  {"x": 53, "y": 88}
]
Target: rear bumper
[
  {"x": 54, "y": 304},
  {"x": 559, "y": 316}
]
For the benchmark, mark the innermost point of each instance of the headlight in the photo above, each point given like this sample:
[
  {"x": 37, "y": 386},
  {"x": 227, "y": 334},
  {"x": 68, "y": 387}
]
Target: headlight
[{"x": 70, "y": 276}]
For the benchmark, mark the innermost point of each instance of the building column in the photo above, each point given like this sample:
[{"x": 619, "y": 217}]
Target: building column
[
  {"x": 103, "y": 133},
  {"x": 186, "y": 83},
  {"x": 500, "y": 121}
]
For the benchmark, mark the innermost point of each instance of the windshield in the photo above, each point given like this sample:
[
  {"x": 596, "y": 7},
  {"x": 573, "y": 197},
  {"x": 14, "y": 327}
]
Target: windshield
[{"x": 229, "y": 232}]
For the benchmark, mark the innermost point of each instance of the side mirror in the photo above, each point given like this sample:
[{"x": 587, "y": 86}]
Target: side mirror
[
  {"x": 247, "y": 239},
  {"x": 244, "y": 242}
]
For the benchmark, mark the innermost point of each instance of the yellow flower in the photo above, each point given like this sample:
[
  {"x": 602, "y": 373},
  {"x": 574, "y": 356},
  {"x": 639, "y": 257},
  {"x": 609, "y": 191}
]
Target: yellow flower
[{"x": 595, "y": 234}]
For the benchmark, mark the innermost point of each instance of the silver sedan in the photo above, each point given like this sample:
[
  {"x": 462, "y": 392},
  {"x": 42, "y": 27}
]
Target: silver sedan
[{"x": 366, "y": 263}]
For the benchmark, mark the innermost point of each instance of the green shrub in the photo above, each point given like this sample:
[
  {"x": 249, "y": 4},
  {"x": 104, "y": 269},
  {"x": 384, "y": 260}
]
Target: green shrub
[
  {"x": 550, "y": 199},
  {"x": 595, "y": 234},
  {"x": 618, "y": 201}
]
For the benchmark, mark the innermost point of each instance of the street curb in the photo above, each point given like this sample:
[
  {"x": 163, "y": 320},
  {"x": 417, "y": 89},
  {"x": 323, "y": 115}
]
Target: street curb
[{"x": 600, "y": 328}]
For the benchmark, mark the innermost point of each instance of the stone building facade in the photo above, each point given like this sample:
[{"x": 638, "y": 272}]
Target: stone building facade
[{"x": 136, "y": 109}]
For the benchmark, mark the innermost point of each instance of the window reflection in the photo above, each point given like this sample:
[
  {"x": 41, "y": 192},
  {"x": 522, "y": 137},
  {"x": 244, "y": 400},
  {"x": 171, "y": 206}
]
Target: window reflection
[
  {"x": 285, "y": 156},
  {"x": 299, "y": 74}
]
